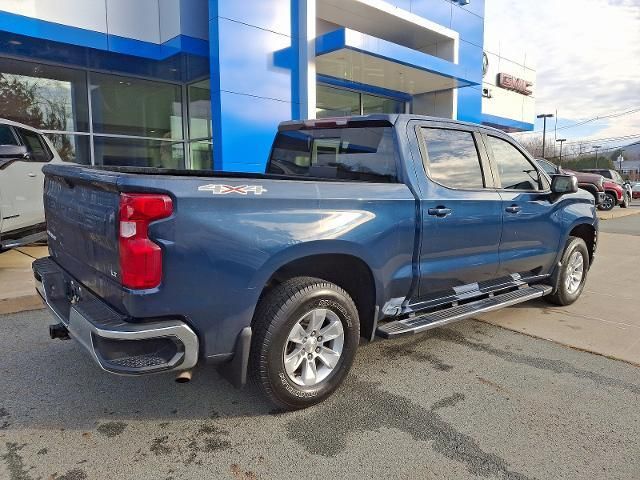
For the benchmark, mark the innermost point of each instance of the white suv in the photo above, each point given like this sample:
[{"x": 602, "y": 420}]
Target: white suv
[{"x": 23, "y": 153}]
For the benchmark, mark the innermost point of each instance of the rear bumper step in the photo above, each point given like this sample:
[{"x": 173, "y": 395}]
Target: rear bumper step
[
  {"x": 427, "y": 321},
  {"x": 117, "y": 345}
]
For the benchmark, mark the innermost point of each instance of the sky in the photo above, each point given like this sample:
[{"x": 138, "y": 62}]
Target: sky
[{"x": 587, "y": 58}]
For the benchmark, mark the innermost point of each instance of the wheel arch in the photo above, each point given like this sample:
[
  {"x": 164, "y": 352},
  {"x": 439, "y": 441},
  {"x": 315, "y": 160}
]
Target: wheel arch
[
  {"x": 343, "y": 268},
  {"x": 615, "y": 195},
  {"x": 586, "y": 232}
]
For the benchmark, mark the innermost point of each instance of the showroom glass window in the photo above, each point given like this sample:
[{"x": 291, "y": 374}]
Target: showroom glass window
[
  {"x": 122, "y": 121},
  {"x": 340, "y": 102},
  {"x": 200, "y": 125},
  {"x": 49, "y": 98}
]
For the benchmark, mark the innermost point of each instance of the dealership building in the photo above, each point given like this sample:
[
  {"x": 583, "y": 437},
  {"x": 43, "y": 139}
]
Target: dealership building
[{"x": 204, "y": 84}]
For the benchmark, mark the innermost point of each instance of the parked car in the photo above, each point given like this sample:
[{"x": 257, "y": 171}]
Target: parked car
[
  {"x": 381, "y": 225},
  {"x": 635, "y": 189},
  {"x": 617, "y": 178},
  {"x": 592, "y": 183},
  {"x": 614, "y": 195},
  {"x": 23, "y": 153}
]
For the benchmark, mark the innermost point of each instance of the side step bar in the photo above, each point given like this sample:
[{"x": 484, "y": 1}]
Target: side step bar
[{"x": 427, "y": 321}]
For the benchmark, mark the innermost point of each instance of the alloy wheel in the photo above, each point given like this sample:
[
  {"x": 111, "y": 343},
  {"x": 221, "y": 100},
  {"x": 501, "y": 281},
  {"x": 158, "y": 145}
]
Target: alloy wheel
[{"x": 314, "y": 347}]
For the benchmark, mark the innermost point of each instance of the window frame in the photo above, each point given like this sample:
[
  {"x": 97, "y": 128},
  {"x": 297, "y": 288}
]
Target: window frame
[
  {"x": 43, "y": 143},
  {"x": 496, "y": 171},
  {"x": 487, "y": 181}
]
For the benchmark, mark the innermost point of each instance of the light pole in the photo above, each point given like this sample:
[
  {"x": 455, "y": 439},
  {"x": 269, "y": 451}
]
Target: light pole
[
  {"x": 561, "y": 140},
  {"x": 544, "y": 117},
  {"x": 596, "y": 148}
]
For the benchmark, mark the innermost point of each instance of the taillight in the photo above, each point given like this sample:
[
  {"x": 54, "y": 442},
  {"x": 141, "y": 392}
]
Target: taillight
[{"x": 140, "y": 258}]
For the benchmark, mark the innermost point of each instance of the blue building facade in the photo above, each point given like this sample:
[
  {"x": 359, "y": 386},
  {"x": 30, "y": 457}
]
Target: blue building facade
[{"x": 204, "y": 83}]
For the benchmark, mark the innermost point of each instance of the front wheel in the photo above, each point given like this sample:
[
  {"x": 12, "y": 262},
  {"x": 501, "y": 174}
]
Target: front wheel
[
  {"x": 627, "y": 200},
  {"x": 609, "y": 202},
  {"x": 573, "y": 272},
  {"x": 306, "y": 332}
]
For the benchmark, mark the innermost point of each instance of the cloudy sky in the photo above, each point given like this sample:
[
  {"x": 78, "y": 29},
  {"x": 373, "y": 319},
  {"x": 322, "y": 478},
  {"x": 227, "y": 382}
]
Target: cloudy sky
[{"x": 587, "y": 55}]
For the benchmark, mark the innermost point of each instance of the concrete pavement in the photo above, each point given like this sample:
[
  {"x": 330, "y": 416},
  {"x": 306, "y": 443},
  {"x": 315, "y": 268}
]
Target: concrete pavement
[
  {"x": 468, "y": 401},
  {"x": 16, "y": 279},
  {"x": 606, "y": 318}
]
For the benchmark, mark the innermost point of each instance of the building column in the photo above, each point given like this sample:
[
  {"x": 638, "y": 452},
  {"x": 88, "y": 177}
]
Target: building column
[{"x": 262, "y": 73}]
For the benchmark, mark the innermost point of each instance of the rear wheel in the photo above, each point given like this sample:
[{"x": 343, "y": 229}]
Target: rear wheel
[
  {"x": 609, "y": 202},
  {"x": 573, "y": 272},
  {"x": 306, "y": 332}
]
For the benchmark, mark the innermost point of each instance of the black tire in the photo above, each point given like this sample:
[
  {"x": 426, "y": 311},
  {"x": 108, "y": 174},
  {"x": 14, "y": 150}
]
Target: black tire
[
  {"x": 609, "y": 202},
  {"x": 276, "y": 315},
  {"x": 563, "y": 295},
  {"x": 626, "y": 201}
]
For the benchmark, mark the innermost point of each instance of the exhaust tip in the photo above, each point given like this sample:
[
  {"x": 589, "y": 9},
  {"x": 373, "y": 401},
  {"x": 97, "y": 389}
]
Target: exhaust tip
[{"x": 184, "y": 376}]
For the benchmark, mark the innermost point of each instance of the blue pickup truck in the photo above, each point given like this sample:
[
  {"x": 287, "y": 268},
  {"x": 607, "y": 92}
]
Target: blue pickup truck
[{"x": 380, "y": 225}]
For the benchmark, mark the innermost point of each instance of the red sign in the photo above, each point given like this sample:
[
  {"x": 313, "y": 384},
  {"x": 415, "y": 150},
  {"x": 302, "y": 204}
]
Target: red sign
[{"x": 514, "y": 83}]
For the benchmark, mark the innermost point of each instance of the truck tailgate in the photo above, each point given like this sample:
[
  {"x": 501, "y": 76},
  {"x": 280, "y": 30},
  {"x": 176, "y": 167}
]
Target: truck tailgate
[{"x": 81, "y": 208}]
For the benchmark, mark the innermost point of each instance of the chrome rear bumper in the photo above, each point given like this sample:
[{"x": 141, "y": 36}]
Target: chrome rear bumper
[{"x": 117, "y": 345}]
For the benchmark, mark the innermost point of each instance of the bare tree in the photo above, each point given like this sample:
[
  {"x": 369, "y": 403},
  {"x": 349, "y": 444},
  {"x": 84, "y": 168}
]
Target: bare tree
[{"x": 533, "y": 145}]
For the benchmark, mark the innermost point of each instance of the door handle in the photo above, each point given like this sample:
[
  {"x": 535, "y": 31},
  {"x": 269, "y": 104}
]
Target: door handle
[
  {"x": 31, "y": 174},
  {"x": 513, "y": 209},
  {"x": 439, "y": 211}
]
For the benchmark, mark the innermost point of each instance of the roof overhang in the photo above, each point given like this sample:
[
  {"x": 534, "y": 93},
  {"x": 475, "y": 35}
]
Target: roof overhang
[
  {"x": 356, "y": 57},
  {"x": 383, "y": 20}
]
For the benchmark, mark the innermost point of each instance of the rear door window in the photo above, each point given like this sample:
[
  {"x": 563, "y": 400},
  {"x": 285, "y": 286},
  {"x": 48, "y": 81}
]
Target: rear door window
[
  {"x": 366, "y": 154},
  {"x": 38, "y": 150},
  {"x": 451, "y": 158}
]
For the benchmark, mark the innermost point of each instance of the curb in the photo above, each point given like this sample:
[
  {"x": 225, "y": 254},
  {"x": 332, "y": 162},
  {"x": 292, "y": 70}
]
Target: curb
[
  {"x": 620, "y": 214},
  {"x": 22, "y": 303}
]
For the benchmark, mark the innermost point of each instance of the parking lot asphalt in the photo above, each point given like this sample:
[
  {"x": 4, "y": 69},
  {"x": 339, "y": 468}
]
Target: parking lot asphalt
[{"x": 468, "y": 401}]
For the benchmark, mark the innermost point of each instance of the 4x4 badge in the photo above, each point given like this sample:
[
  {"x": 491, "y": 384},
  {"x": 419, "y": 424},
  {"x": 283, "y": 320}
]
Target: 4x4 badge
[{"x": 218, "y": 189}]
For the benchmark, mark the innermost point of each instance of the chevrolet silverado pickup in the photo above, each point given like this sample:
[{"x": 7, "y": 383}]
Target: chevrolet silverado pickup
[{"x": 371, "y": 226}]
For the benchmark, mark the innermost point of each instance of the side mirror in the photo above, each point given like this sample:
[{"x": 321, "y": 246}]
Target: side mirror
[
  {"x": 563, "y": 184},
  {"x": 13, "y": 151}
]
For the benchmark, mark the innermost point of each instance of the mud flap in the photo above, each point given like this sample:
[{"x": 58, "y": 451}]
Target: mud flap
[{"x": 235, "y": 371}]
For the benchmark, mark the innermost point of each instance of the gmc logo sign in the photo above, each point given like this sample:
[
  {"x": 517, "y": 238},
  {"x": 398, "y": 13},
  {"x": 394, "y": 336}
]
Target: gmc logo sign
[{"x": 514, "y": 83}]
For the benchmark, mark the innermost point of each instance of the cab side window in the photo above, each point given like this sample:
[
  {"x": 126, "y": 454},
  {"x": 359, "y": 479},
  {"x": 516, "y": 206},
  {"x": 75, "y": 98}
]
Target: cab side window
[
  {"x": 451, "y": 158},
  {"x": 516, "y": 171},
  {"x": 38, "y": 150}
]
